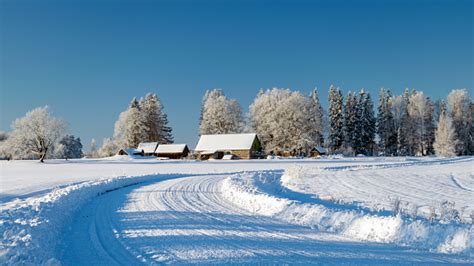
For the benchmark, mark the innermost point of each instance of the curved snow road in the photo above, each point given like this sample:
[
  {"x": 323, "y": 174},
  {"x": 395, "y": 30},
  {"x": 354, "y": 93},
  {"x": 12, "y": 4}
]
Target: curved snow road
[{"x": 186, "y": 220}]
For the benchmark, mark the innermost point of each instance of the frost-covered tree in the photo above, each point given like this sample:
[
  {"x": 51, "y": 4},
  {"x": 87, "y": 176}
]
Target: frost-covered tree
[
  {"x": 135, "y": 127},
  {"x": 350, "y": 121},
  {"x": 364, "y": 133},
  {"x": 318, "y": 118},
  {"x": 284, "y": 120},
  {"x": 109, "y": 148},
  {"x": 4, "y": 152},
  {"x": 220, "y": 115},
  {"x": 156, "y": 120},
  {"x": 120, "y": 128},
  {"x": 92, "y": 149},
  {"x": 445, "y": 142},
  {"x": 70, "y": 147},
  {"x": 35, "y": 134},
  {"x": 420, "y": 110},
  {"x": 386, "y": 124},
  {"x": 459, "y": 107},
  {"x": 402, "y": 123},
  {"x": 336, "y": 120}
]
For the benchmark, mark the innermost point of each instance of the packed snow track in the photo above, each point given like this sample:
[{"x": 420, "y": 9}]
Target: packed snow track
[{"x": 188, "y": 220}]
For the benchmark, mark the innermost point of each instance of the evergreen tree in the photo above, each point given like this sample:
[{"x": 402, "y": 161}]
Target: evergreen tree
[
  {"x": 386, "y": 125},
  {"x": 318, "y": 118},
  {"x": 404, "y": 126},
  {"x": 336, "y": 120},
  {"x": 350, "y": 121},
  {"x": 365, "y": 128},
  {"x": 72, "y": 147},
  {"x": 445, "y": 143},
  {"x": 156, "y": 120}
]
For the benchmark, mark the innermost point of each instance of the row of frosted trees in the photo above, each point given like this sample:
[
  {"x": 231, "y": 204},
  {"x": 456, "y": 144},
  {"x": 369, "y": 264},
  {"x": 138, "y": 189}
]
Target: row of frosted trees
[
  {"x": 143, "y": 121},
  {"x": 401, "y": 125}
]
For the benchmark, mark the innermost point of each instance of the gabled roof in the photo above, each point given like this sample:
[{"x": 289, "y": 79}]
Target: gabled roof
[
  {"x": 147, "y": 147},
  {"x": 171, "y": 148},
  {"x": 223, "y": 142},
  {"x": 320, "y": 149},
  {"x": 131, "y": 151}
]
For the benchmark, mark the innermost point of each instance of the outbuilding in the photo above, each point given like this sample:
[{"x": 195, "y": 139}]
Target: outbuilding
[
  {"x": 172, "y": 151},
  {"x": 148, "y": 148},
  {"x": 129, "y": 152},
  {"x": 241, "y": 146},
  {"x": 318, "y": 151}
]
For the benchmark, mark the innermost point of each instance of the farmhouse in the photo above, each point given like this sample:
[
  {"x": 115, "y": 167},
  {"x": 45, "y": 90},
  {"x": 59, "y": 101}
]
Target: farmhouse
[
  {"x": 241, "y": 146},
  {"x": 172, "y": 151},
  {"x": 147, "y": 148}
]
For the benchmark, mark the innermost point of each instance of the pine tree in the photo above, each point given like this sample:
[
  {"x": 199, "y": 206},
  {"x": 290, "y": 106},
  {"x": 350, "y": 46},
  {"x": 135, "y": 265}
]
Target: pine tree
[
  {"x": 404, "y": 125},
  {"x": 71, "y": 147},
  {"x": 336, "y": 120},
  {"x": 156, "y": 120},
  {"x": 445, "y": 143},
  {"x": 318, "y": 118},
  {"x": 385, "y": 124},
  {"x": 350, "y": 121},
  {"x": 365, "y": 128}
]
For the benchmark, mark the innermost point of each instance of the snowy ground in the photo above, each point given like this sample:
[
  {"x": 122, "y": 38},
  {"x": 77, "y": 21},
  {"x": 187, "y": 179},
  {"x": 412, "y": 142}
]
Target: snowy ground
[{"x": 121, "y": 211}]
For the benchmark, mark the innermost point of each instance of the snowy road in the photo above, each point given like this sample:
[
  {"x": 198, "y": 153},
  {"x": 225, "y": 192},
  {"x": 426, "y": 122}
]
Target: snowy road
[{"x": 187, "y": 220}]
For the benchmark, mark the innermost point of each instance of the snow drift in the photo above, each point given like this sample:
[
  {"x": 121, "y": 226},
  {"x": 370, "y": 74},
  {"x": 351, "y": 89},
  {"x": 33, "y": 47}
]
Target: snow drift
[
  {"x": 261, "y": 193},
  {"x": 31, "y": 227}
]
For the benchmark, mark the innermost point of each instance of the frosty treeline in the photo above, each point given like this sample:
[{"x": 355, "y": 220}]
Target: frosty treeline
[
  {"x": 37, "y": 135},
  {"x": 399, "y": 125},
  {"x": 143, "y": 121}
]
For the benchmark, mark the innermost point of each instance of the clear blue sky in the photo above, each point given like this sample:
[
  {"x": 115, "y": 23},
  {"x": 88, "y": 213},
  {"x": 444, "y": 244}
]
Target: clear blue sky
[{"x": 87, "y": 59}]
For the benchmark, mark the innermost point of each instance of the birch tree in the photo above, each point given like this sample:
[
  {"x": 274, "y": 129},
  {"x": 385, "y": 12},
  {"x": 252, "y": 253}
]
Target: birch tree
[{"x": 445, "y": 143}]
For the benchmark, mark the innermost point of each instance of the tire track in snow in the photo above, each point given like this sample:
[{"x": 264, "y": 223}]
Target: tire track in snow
[{"x": 187, "y": 220}]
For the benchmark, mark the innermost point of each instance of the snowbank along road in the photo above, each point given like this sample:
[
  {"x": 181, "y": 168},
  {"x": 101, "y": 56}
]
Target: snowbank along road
[{"x": 241, "y": 217}]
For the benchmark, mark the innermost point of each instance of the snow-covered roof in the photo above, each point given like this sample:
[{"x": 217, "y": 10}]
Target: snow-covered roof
[
  {"x": 225, "y": 142},
  {"x": 147, "y": 147},
  {"x": 320, "y": 149},
  {"x": 131, "y": 151},
  {"x": 171, "y": 148}
]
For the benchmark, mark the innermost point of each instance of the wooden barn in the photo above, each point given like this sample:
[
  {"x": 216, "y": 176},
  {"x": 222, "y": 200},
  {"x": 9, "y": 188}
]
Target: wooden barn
[
  {"x": 172, "y": 151},
  {"x": 241, "y": 146},
  {"x": 129, "y": 152},
  {"x": 148, "y": 148},
  {"x": 317, "y": 152}
]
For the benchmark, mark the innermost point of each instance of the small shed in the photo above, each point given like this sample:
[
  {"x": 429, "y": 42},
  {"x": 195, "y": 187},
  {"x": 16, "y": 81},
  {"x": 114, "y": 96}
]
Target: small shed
[
  {"x": 172, "y": 151},
  {"x": 318, "y": 151},
  {"x": 148, "y": 148},
  {"x": 129, "y": 152},
  {"x": 242, "y": 146}
]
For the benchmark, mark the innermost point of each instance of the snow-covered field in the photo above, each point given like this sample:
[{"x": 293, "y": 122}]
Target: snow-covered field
[{"x": 133, "y": 211}]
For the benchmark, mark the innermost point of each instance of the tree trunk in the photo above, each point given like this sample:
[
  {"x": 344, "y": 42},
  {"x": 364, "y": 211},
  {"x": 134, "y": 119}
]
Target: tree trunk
[{"x": 43, "y": 155}]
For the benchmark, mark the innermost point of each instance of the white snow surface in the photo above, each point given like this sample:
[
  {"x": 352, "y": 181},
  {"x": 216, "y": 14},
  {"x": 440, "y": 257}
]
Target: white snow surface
[
  {"x": 129, "y": 211},
  {"x": 419, "y": 186}
]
